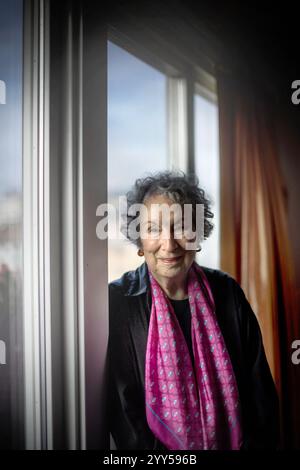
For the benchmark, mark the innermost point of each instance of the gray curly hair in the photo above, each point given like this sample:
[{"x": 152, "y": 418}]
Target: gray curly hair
[{"x": 177, "y": 186}]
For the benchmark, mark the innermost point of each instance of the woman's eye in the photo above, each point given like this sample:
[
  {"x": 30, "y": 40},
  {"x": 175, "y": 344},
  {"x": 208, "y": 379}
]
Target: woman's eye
[{"x": 153, "y": 230}]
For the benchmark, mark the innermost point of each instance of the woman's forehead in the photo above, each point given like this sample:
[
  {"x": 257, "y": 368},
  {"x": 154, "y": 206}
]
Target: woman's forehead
[
  {"x": 162, "y": 214},
  {"x": 163, "y": 210}
]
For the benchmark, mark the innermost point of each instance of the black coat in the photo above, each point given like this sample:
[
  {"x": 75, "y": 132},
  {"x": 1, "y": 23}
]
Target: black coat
[{"x": 129, "y": 315}]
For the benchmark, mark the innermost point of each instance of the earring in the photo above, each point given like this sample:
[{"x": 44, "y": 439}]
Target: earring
[
  {"x": 140, "y": 252},
  {"x": 199, "y": 249}
]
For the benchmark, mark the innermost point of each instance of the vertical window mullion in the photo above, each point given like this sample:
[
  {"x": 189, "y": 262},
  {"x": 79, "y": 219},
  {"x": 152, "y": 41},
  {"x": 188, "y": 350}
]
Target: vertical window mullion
[
  {"x": 36, "y": 261},
  {"x": 190, "y": 124},
  {"x": 177, "y": 127}
]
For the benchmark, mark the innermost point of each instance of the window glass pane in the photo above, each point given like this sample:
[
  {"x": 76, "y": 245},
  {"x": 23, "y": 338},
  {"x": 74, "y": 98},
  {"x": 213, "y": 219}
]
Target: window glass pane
[
  {"x": 207, "y": 169},
  {"x": 11, "y": 350},
  {"x": 137, "y": 137}
]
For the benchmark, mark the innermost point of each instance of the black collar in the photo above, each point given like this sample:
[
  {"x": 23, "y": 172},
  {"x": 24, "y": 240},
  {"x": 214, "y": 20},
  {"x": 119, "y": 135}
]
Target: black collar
[{"x": 135, "y": 282}]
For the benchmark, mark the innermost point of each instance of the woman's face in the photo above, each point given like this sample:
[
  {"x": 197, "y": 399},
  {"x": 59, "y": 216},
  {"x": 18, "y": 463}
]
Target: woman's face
[{"x": 166, "y": 256}]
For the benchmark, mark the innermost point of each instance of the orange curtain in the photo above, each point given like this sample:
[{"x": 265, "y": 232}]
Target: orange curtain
[{"x": 255, "y": 247}]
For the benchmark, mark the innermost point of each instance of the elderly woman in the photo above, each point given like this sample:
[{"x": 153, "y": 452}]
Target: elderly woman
[{"x": 187, "y": 367}]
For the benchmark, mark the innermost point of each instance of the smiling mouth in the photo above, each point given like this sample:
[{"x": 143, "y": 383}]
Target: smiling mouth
[{"x": 171, "y": 260}]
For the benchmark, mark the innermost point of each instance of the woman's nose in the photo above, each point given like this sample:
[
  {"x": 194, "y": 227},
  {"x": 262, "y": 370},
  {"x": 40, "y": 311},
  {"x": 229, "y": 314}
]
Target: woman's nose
[{"x": 169, "y": 243}]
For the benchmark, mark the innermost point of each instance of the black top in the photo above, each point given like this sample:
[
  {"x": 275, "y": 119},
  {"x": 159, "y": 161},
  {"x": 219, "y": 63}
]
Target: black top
[
  {"x": 129, "y": 315},
  {"x": 183, "y": 314}
]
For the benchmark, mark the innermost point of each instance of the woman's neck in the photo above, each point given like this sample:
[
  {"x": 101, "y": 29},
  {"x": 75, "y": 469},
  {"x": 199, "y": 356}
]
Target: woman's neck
[{"x": 174, "y": 288}]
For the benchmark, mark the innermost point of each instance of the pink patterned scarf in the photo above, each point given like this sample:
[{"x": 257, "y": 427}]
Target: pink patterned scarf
[{"x": 190, "y": 408}]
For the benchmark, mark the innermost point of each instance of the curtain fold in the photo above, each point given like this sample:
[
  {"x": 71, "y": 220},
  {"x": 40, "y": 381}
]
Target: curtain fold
[{"x": 255, "y": 246}]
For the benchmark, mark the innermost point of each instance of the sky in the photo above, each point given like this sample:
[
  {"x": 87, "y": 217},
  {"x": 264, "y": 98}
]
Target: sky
[{"x": 137, "y": 137}]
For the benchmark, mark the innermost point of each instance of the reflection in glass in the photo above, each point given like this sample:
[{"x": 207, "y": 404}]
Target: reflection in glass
[{"x": 11, "y": 381}]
